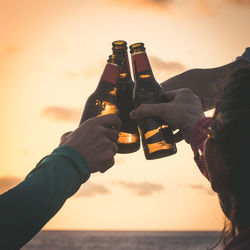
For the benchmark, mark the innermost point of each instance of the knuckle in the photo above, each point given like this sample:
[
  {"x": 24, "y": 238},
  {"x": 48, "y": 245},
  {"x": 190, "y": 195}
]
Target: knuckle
[
  {"x": 197, "y": 97},
  {"x": 110, "y": 154},
  {"x": 141, "y": 108},
  {"x": 91, "y": 122},
  {"x": 112, "y": 162}
]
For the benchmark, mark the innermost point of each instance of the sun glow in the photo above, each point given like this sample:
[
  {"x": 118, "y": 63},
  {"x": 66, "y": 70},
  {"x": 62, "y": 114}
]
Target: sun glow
[{"x": 53, "y": 53}]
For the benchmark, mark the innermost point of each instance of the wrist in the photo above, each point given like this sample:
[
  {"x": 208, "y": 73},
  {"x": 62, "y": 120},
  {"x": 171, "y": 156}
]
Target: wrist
[
  {"x": 78, "y": 161},
  {"x": 188, "y": 131}
]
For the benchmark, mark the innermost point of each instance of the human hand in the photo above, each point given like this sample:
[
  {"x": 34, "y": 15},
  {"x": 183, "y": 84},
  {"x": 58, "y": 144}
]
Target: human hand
[
  {"x": 182, "y": 111},
  {"x": 96, "y": 140}
]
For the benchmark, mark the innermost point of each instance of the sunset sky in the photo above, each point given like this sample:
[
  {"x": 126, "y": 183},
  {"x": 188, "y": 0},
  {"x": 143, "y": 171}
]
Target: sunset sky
[{"x": 52, "y": 54}]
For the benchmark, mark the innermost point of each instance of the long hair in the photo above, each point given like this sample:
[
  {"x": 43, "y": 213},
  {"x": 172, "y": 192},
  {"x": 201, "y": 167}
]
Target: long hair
[{"x": 230, "y": 129}]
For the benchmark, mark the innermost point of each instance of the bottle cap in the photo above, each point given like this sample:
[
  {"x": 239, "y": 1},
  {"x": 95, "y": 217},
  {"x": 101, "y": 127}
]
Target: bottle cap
[
  {"x": 119, "y": 46},
  {"x": 137, "y": 48}
]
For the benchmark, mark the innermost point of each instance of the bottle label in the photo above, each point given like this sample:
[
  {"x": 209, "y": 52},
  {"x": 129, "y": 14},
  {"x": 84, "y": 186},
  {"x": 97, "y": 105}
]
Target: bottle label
[
  {"x": 110, "y": 73},
  {"x": 141, "y": 62}
]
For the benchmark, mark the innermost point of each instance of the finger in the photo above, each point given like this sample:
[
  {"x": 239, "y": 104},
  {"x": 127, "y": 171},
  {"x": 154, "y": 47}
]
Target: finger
[
  {"x": 177, "y": 137},
  {"x": 108, "y": 165},
  {"x": 112, "y": 134},
  {"x": 170, "y": 95},
  {"x": 149, "y": 110},
  {"x": 114, "y": 147},
  {"x": 110, "y": 121}
]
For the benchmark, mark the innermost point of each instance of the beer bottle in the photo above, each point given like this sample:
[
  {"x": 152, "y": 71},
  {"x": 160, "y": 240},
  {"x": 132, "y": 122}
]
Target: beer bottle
[
  {"x": 156, "y": 136},
  {"x": 129, "y": 139},
  {"x": 103, "y": 101}
]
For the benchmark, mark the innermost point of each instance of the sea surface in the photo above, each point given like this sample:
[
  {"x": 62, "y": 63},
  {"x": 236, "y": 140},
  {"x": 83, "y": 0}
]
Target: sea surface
[{"x": 123, "y": 240}]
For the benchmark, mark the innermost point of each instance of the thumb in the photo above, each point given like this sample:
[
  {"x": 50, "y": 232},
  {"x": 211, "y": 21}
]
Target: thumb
[
  {"x": 110, "y": 121},
  {"x": 149, "y": 110}
]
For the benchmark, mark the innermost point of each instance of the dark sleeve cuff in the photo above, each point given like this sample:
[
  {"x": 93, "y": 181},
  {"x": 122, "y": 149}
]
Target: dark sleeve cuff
[
  {"x": 245, "y": 56},
  {"x": 78, "y": 162},
  {"x": 69, "y": 153}
]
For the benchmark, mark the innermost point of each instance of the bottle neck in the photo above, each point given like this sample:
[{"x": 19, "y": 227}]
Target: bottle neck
[
  {"x": 141, "y": 68},
  {"x": 111, "y": 73},
  {"x": 125, "y": 74},
  {"x": 141, "y": 63}
]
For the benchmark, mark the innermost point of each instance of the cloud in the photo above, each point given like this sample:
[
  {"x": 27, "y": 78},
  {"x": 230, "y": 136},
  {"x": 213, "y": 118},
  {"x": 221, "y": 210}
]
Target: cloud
[
  {"x": 7, "y": 182},
  {"x": 92, "y": 72},
  {"x": 201, "y": 188},
  {"x": 164, "y": 70},
  {"x": 95, "y": 69},
  {"x": 166, "y": 66},
  {"x": 11, "y": 50},
  {"x": 142, "y": 189},
  {"x": 144, "y": 4},
  {"x": 204, "y": 7},
  {"x": 64, "y": 114},
  {"x": 238, "y": 2},
  {"x": 90, "y": 189}
]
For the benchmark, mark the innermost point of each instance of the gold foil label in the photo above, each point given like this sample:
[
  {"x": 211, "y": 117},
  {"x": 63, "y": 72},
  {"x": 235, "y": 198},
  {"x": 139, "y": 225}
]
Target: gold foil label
[
  {"x": 107, "y": 108},
  {"x": 113, "y": 92},
  {"x": 164, "y": 126},
  {"x": 123, "y": 75},
  {"x": 127, "y": 138},
  {"x": 151, "y": 133},
  {"x": 154, "y": 132},
  {"x": 145, "y": 76},
  {"x": 153, "y": 147}
]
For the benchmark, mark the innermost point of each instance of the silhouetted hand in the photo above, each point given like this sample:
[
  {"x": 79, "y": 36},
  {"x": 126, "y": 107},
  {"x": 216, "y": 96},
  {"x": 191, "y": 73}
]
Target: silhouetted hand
[
  {"x": 182, "y": 111},
  {"x": 96, "y": 140}
]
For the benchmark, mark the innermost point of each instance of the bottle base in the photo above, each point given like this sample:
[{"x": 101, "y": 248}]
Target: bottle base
[
  {"x": 128, "y": 148},
  {"x": 160, "y": 154}
]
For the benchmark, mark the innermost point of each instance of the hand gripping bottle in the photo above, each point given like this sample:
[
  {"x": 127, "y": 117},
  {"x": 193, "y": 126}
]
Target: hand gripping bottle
[{"x": 156, "y": 136}]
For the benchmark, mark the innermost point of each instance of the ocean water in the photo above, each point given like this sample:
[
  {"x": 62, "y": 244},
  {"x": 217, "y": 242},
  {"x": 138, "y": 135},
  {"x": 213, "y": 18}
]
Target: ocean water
[{"x": 122, "y": 240}]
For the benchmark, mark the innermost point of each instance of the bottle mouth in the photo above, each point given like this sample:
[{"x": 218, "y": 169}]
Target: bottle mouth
[
  {"x": 119, "y": 46},
  {"x": 137, "y": 48},
  {"x": 119, "y": 43}
]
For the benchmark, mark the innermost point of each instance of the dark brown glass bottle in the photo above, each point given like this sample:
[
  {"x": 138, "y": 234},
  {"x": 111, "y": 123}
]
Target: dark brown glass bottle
[
  {"x": 129, "y": 138},
  {"x": 103, "y": 101},
  {"x": 156, "y": 136}
]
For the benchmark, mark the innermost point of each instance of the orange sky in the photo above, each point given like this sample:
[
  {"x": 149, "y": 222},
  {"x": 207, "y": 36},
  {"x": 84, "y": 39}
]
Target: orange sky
[{"x": 52, "y": 54}]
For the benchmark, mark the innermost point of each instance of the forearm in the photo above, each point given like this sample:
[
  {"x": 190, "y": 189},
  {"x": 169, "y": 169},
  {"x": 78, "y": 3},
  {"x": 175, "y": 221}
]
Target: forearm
[
  {"x": 26, "y": 208},
  {"x": 203, "y": 82}
]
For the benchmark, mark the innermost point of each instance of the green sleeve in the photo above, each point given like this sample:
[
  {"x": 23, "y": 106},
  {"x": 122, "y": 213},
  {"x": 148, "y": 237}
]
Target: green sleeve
[{"x": 26, "y": 208}]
